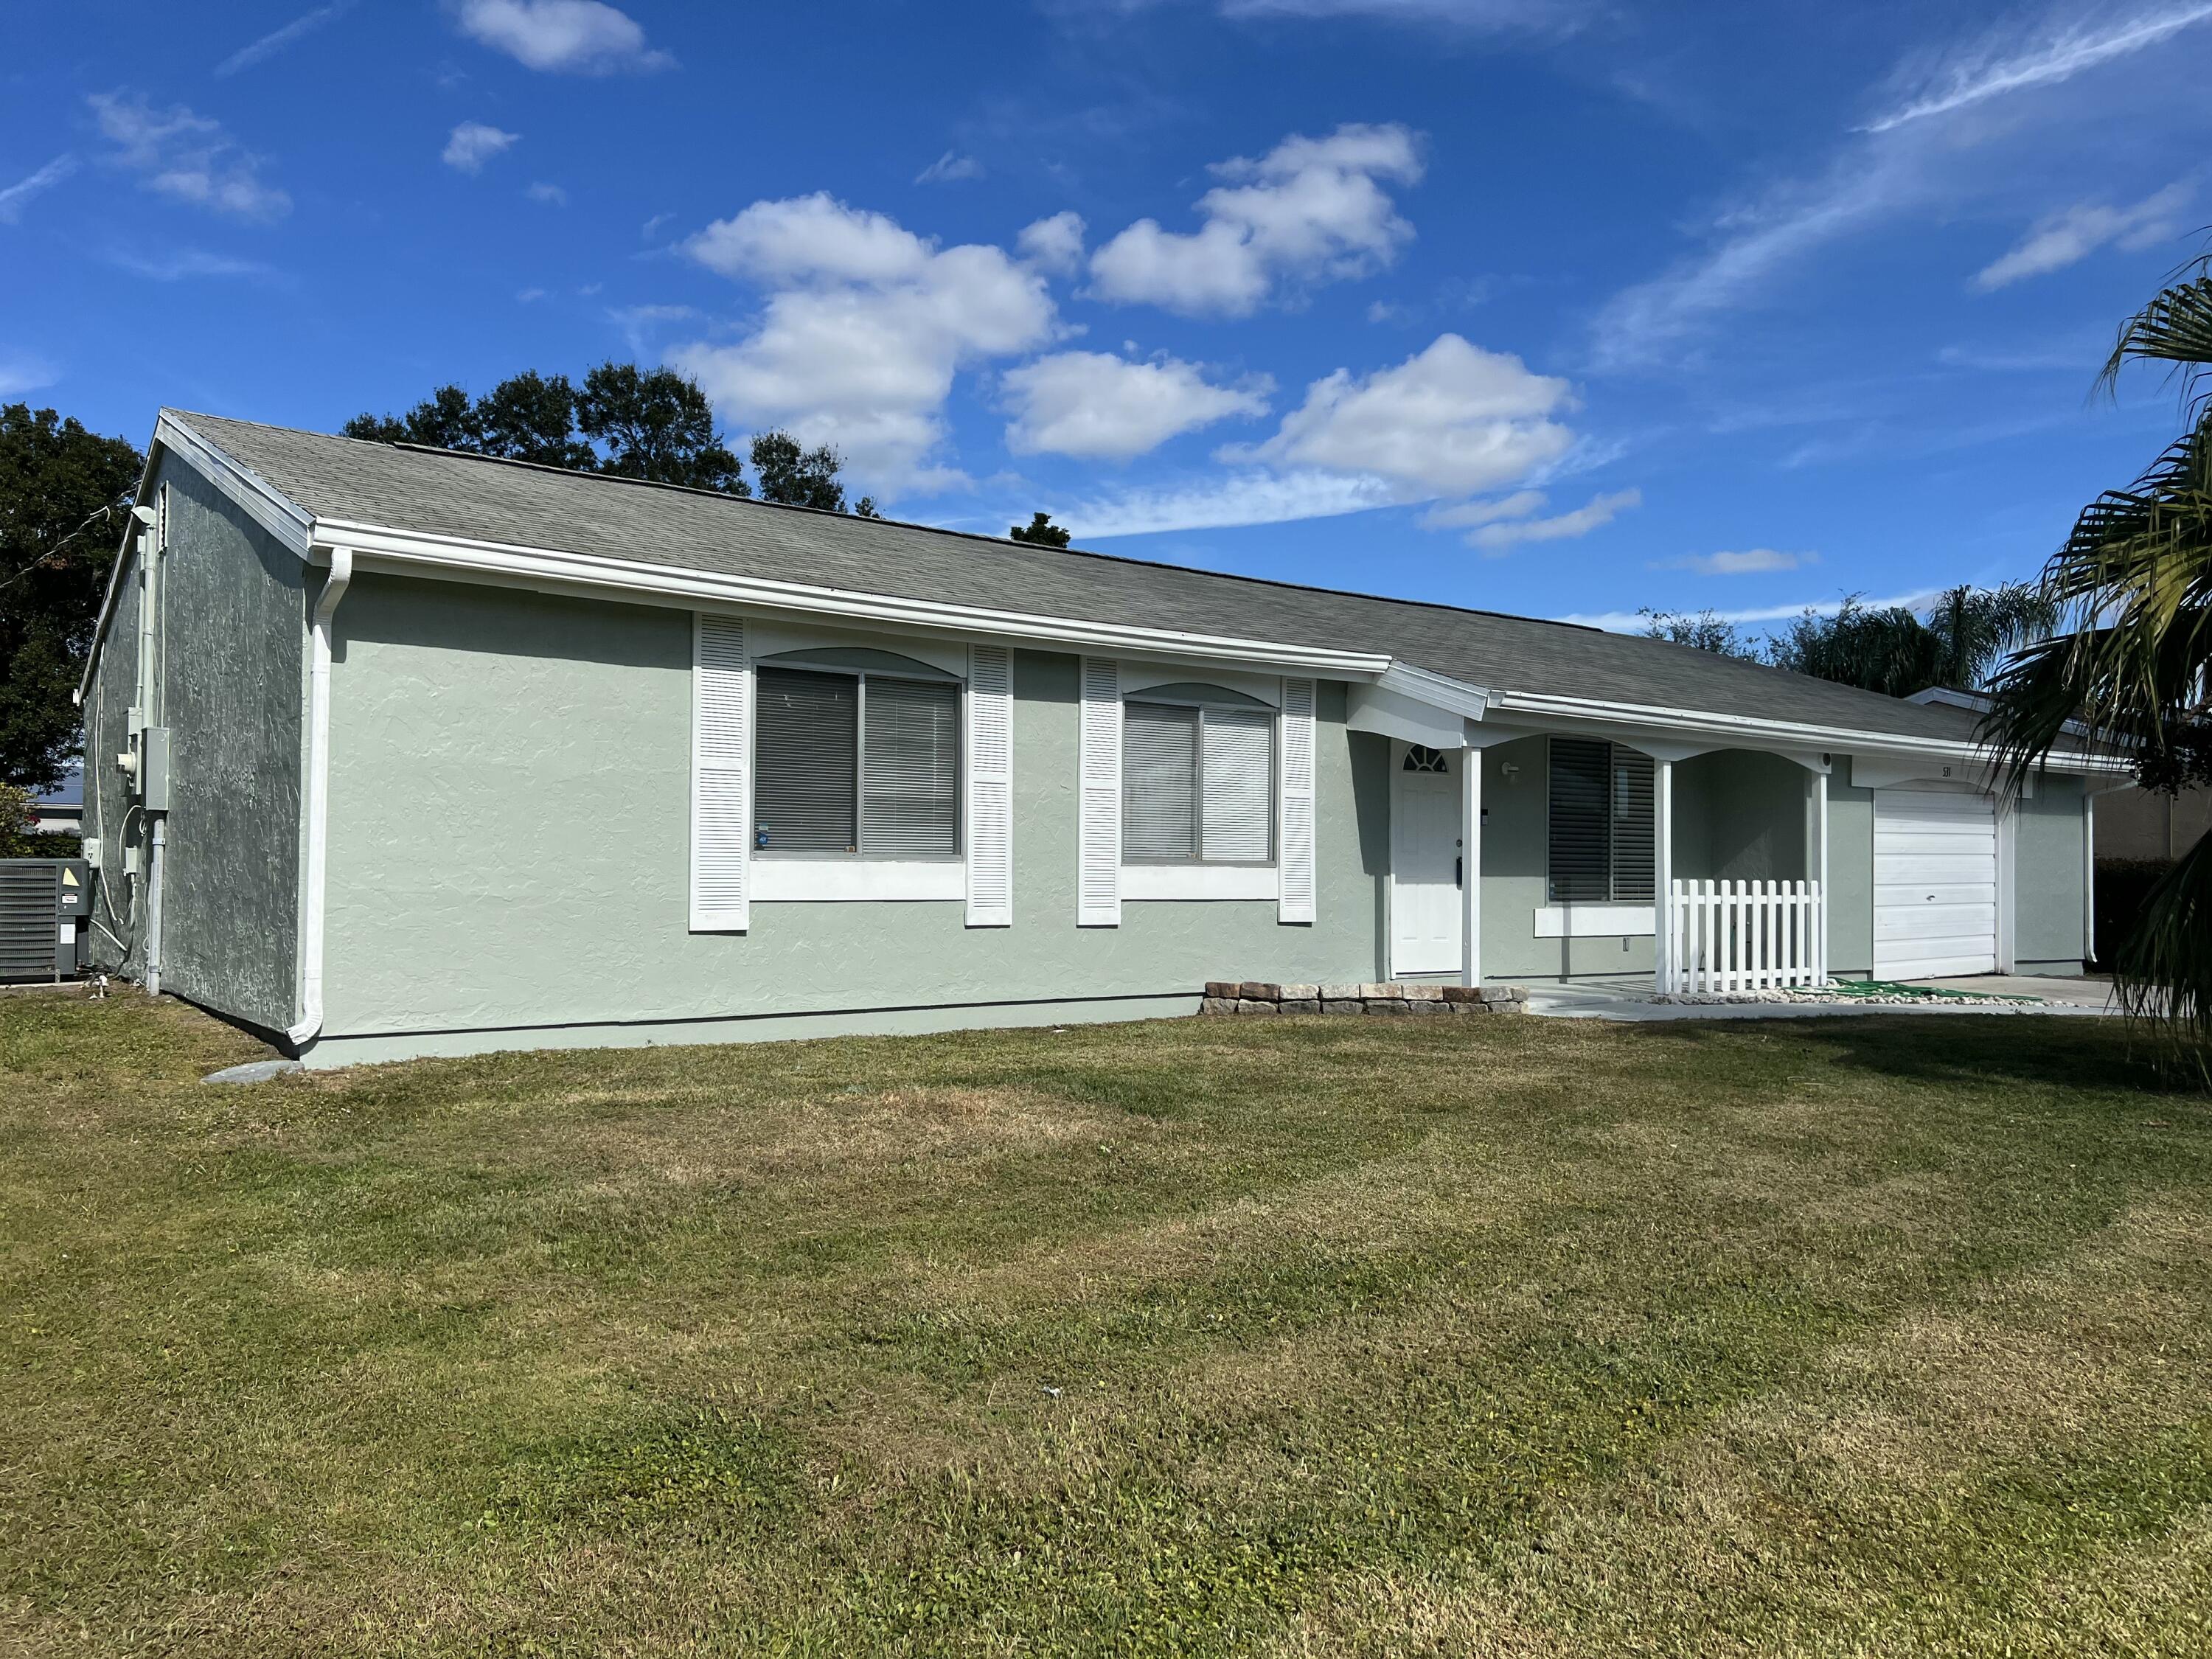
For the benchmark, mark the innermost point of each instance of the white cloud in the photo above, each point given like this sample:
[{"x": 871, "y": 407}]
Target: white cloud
[
  {"x": 1095, "y": 405},
  {"x": 2067, "y": 238},
  {"x": 1246, "y": 498},
  {"x": 13, "y": 198},
  {"x": 529, "y": 295},
  {"x": 1598, "y": 510},
  {"x": 21, "y": 374},
  {"x": 174, "y": 265},
  {"x": 1751, "y": 561},
  {"x": 637, "y": 323},
  {"x": 472, "y": 143},
  {"x": 1448, "y": 420},
  {"x": 809, "y": 238},
  {"x": 1922, "y": 157},
  {"x": 1053, "y": 244},
  {"x": 277, "y": 39},
  {"x": 550, "y": 194},
  {"x": 864, "y": 326},
  {"x": 1635, "y": 622},
  {"x": 185, "y": 156},
  {"x": 1472, "y": 16},
  {"x": 949, "y": 167},
  {"x": 582, "y": 37},
  {"x": 1519, "y": 505},
  {"x": 1310, "y": 210},
  {"x": 2061, "y": 49}
]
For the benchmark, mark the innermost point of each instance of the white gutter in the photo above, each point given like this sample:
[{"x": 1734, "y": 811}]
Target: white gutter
[
  {"x": 419, "y": 553},
  {"x": 316, "y": 806}
]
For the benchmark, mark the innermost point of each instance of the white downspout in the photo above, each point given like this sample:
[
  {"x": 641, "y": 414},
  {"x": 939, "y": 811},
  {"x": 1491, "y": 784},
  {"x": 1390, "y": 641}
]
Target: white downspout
[{"x": 317, "y": 801}]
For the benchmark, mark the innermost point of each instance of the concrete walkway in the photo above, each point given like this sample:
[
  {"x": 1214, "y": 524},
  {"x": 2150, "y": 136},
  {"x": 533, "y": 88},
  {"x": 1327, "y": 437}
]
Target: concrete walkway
[{"x": 1628, "y": 998}]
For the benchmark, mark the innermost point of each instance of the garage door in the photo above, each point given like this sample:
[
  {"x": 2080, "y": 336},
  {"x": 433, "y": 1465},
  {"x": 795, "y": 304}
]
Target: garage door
[{"x": 1935, "y": 882}]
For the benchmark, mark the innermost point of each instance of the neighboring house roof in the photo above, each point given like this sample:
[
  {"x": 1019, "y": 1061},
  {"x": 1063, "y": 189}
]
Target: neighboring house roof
[
  {"x": 69, "y": 791},
  {"x": 446, "y": 493}
]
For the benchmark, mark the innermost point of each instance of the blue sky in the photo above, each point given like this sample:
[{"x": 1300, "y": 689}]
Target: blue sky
[{"x": 1545, "y": 305}]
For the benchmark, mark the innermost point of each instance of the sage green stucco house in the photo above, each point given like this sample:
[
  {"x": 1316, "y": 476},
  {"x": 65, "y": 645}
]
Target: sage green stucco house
[{"x": 398, "y": 751}]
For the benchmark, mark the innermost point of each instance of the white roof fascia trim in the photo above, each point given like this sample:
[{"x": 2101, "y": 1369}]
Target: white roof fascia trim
[
  {"x": 275, "y": 511},
  {"x": 1437, "y": 691},
  {"x": 401, "y": 548},
  {"x": 1793, "y": 733}
]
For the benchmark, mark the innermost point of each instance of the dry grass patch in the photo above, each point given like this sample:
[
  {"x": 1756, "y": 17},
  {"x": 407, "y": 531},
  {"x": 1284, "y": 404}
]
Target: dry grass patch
[{"x": 1186, "y": 1338}]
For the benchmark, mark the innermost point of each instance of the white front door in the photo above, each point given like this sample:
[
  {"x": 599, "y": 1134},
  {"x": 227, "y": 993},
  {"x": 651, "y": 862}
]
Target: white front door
[
  {"x": 1424, "y": 855},
  {"x": 1935, "y": 882}
]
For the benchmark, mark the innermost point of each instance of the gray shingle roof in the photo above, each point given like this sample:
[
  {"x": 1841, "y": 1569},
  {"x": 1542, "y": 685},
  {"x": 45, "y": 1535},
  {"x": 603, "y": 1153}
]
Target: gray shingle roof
[{"x": 442, "y": 492}]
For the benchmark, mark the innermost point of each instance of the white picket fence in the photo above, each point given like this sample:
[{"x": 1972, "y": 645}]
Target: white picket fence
[{"x": 1743, "y": 936}]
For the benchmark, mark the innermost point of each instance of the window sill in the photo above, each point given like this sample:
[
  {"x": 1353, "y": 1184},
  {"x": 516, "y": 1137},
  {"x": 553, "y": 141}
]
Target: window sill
[
  {"x": 1200, "y": 881},
  {"x": 817, "y": 881},
  {"x": 1596, "y": 921}
]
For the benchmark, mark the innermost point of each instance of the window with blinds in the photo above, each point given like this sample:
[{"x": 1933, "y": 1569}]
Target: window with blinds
[
  {"x": 1602, "y": 823},
  {"x": 863, "y": 763},
  {"x": 1197, "y": 784},
  {"x": 910, "y": 768}
]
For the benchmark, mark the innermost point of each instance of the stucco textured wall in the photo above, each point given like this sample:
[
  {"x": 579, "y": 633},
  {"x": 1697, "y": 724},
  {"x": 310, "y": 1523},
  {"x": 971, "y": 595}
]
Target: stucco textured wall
[
  {"x": 231, "y": 620},
  {"x": 234, "y": 612},
  {"x": 1850, "y": 879},
  {"x": 2047, "y": 874},
  {"x": 510, "y": 844}
]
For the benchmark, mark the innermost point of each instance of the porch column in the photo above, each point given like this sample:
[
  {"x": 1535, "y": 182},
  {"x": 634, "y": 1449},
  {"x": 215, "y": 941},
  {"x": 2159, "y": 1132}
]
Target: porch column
[
  {"x": 1663, "y": 884},
  {"x": 1470, "y": 868},
  {"x": 1820, "y": 785}
]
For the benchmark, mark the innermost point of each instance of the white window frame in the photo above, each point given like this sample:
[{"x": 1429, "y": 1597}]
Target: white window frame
[
  {"x": 1201, "y": 878},
  {"x": 811, "y": 876}
]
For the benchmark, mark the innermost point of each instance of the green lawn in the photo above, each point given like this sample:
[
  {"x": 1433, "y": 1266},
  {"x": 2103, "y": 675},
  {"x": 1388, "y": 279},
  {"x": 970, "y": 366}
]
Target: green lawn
[{"x": 1859, "y": 1336}]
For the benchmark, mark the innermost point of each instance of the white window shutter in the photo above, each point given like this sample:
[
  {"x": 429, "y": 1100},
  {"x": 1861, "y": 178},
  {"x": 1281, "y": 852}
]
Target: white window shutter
[
  {"x": 990, "y": 787},
  {"x": 1295, "y": 859},
  {"x": 1098, "y": 876},
  {"x": 721, "y": 764}
]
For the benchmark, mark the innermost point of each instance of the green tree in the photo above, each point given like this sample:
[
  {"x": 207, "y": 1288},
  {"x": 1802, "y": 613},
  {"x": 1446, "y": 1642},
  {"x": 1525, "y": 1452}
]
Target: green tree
[
  {"x": 1040, "y": 531},
  {"x": 633, "y": 423},
  {"x": 1703, "y": 631},
  {"x": 64, "y": 499},
  {"x": 444, "y": 420},
  {"x": 799, "y": 478},
  {"x": 2132, "y": 666},
  {"x": 530, "y": 417},
  {"x": 1964, "y": 637},
  {"x": 656, "y": 424}
]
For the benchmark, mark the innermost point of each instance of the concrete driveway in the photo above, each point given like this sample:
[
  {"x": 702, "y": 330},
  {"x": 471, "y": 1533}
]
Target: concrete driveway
[{"x": 1628, "y": 998}]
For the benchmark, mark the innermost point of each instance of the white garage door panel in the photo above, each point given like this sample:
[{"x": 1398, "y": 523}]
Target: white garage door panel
[
  {"x": 1911, "y": 923},
  {"x": 1935, "y": 884},
  {"x": 1965, "y": 892}
]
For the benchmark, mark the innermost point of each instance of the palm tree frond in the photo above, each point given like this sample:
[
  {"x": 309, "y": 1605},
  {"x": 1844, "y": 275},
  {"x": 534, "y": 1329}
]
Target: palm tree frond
[{"x": 2175, "y": 327}]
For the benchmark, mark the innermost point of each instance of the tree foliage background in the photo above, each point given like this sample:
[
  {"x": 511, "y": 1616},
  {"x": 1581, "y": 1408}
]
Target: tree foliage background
[
  {"x": 64, "y": 499},
  {"x": 633, "y": 423},
  {"x": 1961, "y": 640}
]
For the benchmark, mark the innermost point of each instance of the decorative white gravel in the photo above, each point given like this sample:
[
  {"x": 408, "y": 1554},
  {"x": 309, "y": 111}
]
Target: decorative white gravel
[{"x": 1879, "y": 998}]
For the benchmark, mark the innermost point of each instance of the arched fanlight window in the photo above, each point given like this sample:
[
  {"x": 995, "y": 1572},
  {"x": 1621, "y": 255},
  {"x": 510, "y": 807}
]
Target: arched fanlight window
[{"x": 1419, "y": 757}]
